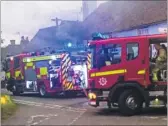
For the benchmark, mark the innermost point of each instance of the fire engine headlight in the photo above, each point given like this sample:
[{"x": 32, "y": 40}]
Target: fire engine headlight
[
  {"x": 11, "y": 58},
  {"x": 28, "y": 60},
  {"x": 53, "y": 57},
  {"x": 92, "y": 96}
]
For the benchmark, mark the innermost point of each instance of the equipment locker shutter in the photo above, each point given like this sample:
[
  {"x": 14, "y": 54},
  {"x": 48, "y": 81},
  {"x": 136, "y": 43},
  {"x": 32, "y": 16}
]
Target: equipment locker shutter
[{"x": 30, "y": 73}]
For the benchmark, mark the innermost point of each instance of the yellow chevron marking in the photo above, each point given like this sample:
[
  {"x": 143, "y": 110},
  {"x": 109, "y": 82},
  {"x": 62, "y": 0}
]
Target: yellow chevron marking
[
  {"x": 70, "y": 86},
  {"x": 63, "y": 71},
  {"x": 65, "y": 57},
  {"x": 63, "y": 76}
]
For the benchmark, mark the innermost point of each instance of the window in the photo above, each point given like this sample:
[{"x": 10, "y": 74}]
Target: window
[
  {"x": 111, "y": 53},
  {"x": 44, "y": 63},
  {"x": 16, "y": 62},
  {"x": 114, "y": 53},
  {"x": 132, "y": 51}
]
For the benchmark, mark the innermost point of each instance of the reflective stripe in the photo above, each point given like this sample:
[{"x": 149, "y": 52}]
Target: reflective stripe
[
  {"x": 8, "y": 75},
  {"x": 89, "y": 61},
  {"x": 65, "y": 57},
  {"x": 66, "y": 62},
  {"x": 43, "y": 71},
  {"x": 141, "y": 72},
  {"x": 17, "y": 73},
  {"x": 63, "y": 77},
  {"x": 109, "y": 72},
  {"x": 29, "y": 64},
  {"x": 31, "y": 59},
  {"x": 69, "y": 64},
  {"x": 68, "y": 86},
  {"x": 64, "y": 82}
]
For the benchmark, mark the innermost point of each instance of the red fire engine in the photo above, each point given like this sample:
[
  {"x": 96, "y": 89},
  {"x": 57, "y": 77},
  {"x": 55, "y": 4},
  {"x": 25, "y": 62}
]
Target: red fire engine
[
  {"x": 122, "y": 78},
  {"x": 45, "y": 74}
]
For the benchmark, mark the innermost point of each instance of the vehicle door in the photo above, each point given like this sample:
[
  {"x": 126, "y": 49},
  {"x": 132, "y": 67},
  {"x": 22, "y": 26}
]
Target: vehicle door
[
  {"x": 113, "y": 69},
  {"x": 137, "y": 59}
]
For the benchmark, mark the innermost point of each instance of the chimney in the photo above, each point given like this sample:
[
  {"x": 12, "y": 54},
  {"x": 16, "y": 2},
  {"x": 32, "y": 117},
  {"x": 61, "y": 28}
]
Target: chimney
[{"x": 12, "y": 42}]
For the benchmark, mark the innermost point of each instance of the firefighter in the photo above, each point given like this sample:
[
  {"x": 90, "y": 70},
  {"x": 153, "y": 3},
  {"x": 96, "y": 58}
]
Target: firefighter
[{"x": 160, "y": 62}]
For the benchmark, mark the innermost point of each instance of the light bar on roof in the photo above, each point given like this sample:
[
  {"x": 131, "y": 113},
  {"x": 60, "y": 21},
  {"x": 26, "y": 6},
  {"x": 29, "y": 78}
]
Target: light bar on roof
[{"x": 99, "y": 36}]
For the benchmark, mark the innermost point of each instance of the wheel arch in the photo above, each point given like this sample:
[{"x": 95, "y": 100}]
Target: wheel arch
[{"x": 116, "y": 91}]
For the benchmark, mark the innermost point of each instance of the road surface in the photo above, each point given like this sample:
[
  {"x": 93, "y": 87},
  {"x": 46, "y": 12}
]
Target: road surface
[{"x": 34, "y": 110}]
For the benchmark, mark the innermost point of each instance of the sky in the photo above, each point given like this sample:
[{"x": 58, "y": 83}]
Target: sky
[{"x": 25, "y": 18}]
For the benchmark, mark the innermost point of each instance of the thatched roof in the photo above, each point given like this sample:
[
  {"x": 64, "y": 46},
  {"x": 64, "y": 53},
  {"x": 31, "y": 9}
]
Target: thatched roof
[
  {"x": 54, "y": 36},
  {"x": 44, "y": 38},
  {"x": 115, "y": 16}
]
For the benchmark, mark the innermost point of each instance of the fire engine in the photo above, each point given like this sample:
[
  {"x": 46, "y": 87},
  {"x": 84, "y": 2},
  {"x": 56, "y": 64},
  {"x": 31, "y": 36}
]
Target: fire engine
[
  {"x": 121, "y": 76},
  {"x": 46, "y": 74}
]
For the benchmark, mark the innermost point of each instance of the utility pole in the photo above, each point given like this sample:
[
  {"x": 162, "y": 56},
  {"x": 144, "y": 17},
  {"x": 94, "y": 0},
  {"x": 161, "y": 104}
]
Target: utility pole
[{"x": 56, "y": 20}]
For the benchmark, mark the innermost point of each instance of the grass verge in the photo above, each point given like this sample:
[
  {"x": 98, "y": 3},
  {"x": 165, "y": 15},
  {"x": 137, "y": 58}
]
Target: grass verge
[{"x": 8, "y": 107}]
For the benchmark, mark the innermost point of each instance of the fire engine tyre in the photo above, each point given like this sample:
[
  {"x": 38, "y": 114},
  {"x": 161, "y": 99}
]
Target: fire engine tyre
[
  {"x": 42, "y": 91},
  {"x": 130, "y": 103},
  {"x": 17, "y": 91}
]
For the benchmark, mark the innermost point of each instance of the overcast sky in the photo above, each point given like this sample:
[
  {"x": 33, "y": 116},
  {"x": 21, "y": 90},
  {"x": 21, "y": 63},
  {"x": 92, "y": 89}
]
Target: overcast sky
[{"x": 27, "y": 17}]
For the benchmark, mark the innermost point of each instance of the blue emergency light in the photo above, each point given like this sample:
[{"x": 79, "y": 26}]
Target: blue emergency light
[{"x": 69, "y": 44}]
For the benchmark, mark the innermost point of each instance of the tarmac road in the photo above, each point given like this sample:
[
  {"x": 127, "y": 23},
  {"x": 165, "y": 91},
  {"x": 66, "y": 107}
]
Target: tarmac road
[{"x": 34, "y": 110}]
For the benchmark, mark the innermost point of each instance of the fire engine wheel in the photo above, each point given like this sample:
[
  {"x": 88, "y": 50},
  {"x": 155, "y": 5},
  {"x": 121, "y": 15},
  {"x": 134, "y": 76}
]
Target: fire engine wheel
[
  {"x": 130, "y": 103},
  {"x": 42, "y": 91},
  {"x": 16, "y": 91}
]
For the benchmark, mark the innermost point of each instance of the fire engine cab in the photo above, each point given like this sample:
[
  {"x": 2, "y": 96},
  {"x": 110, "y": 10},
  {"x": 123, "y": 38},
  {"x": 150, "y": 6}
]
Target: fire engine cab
[
  {"x": 45, "y": 74},
  {"x": 121, "y": 74}
]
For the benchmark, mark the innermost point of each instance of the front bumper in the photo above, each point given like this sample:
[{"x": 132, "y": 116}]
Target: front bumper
[{"x": 95, "y": 97}]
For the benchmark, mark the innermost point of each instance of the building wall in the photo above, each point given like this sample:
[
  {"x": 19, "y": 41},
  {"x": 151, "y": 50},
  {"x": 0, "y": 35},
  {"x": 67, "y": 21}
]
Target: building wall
[{"x": 146, "y": 30}]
